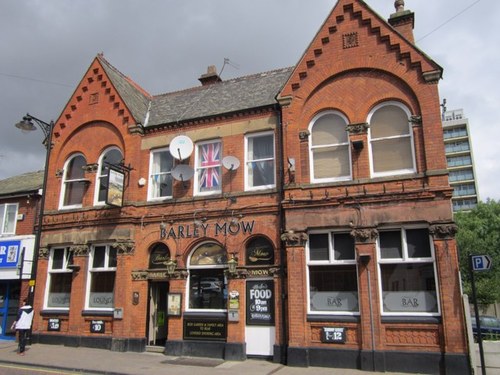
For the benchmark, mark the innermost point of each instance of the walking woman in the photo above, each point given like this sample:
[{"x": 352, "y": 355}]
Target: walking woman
[{"x": 23, "y": 324}]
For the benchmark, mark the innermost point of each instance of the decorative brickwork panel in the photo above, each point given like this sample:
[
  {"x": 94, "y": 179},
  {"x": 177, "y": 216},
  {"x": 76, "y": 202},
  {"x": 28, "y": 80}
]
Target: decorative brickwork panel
[
  {"x": 350, "y": 40},
  {"x": 412, "y": 336},
  {"x": 94, "y": 98}
]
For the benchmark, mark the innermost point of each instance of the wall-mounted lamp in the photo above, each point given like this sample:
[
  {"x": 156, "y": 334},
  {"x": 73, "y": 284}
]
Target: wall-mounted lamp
[
  {"x": 73, "y": 267},
  {"x": 232, "y": 264},
  {"x": 357, "y": 145},
  {"x": 171, "y": 265},
  {"x": 364, "y": 258},
  {"x": 199, "y": 221}
]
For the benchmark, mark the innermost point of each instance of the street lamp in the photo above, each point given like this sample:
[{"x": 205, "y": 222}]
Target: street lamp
[{"x": 28, "y": 124}]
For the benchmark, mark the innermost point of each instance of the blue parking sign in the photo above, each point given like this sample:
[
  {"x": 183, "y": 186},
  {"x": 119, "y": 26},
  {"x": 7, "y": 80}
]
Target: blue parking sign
[{"x": 481, "y": 262}]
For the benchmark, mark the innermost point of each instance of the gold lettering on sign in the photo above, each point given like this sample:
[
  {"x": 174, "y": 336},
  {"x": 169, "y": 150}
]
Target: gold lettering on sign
[
  {"x": 261, "y": 272},
  {"x": 259, "y": 253},
  {"x": 160, "y": 258}
]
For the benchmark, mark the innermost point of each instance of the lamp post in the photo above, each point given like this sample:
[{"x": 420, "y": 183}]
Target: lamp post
[{"x": 28, "y": 124}]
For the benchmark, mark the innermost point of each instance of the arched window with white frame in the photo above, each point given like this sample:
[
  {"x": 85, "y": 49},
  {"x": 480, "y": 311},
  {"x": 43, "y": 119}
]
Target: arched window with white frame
[
  {"x": 111, "y": 156},
  {"x": 207, "y": 286},
  {"x": 329, "y": 153},
  {"x": 390, "y": 134},
  {"x": 73, "y": 182}
]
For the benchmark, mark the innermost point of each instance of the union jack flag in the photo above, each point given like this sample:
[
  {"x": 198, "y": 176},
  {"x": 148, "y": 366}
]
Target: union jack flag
[{"x": 210, "y": 162}]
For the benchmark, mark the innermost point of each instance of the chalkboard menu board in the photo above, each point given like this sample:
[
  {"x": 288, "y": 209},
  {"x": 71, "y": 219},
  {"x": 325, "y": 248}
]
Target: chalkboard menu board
[{"x": 260, "y": 302}]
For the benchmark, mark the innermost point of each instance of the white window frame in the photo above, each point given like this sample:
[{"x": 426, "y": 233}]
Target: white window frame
[
  {"x": 99, "y": 175},
  {"x": 4, "y": 219},
  {"x": 409, "y": 135},
  {"x": 311, "y": 148},
  {"x": 51, "y": 271},
  {"x": 92, "y": 270},
  {"x": 202, "y": 267},
  {"x": 406, "y": 260},
  {"x": 248, "y": 161},
  {"x": 330, "y": 262},
  {"x": 65, "y": 181},
  {"x": 151, "y": 187},
  {"x": 199, "y": 169}
]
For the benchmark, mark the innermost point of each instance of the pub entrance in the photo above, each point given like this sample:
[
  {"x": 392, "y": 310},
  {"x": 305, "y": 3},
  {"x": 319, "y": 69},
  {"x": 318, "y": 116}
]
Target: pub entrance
[{"x": 157, "y": 327}]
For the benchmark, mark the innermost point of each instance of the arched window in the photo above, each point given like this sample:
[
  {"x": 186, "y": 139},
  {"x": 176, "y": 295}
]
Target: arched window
[
  {"x": 391, "y": 140},
  {"x": 159, "y": 256},
  {"x": 330, "y": 158},
  {"x": 207, "y": 286},
  {"x": 73, "y": 183},
  {"x": 259, "y": 251},
  {"x": 112, "y": 156}
]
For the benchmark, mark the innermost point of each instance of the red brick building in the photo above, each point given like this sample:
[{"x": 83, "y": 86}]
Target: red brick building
[
  {"x": 19, "y": 209},
  {"x": 325, "y": 185}
]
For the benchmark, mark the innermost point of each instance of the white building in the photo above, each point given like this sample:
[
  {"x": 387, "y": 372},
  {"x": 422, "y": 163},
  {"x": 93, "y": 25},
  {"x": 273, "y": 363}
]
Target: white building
[{"x": 460, "y": 160}]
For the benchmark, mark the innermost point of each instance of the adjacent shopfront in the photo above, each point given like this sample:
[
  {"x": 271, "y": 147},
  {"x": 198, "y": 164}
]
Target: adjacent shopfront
[{"x": 15, "y": 270}]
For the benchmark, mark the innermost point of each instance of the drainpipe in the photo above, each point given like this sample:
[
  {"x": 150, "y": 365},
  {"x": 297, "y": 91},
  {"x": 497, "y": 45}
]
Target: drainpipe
[{"x": 282, "y": 223}]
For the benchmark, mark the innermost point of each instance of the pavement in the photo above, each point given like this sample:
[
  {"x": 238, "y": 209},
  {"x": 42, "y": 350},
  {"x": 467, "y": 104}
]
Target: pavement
[{"x": 101, "y": 361}]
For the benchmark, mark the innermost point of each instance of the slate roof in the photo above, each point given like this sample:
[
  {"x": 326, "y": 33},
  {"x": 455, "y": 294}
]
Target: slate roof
[
  {"x": 136, "y": 98},
  {"x": 254, "y": 91},
  {"x": 24, "y": 183},
  {"x": 238, "y": 94}
]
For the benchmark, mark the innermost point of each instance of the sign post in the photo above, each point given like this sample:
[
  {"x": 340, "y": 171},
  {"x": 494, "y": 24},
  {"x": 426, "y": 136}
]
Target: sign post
[{"x": 478, "y": 263}]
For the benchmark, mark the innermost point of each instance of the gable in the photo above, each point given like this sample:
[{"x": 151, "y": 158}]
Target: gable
[
  {"x": 103, "y": 94},
  {"x": 354, "y": 37}
]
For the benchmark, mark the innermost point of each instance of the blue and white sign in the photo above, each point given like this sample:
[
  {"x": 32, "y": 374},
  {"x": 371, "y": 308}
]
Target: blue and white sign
[
  {"x": 481, "y": 262},
  {"x": 9, "y": 253}
]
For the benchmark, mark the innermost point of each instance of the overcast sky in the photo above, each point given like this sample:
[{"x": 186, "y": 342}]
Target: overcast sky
[{"x": 46, "y": 47}]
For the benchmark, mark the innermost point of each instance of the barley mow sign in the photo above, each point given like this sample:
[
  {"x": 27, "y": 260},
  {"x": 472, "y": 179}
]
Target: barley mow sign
[{"x": 208, "y": 230}]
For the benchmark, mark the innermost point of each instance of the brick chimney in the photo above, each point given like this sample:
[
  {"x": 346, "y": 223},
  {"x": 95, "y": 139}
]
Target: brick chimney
[
  {"x": 403, "y": 20},
  {"x": 210, "y": 77}
]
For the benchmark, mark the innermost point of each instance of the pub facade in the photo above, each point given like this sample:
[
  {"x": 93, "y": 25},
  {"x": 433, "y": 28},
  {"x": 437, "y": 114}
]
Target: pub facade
[{"x": 301, "y": 214}]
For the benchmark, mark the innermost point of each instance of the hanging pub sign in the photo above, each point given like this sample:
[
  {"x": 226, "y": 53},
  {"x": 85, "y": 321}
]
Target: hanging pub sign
[
  {"x": 97, "y": 326},
  {"x": 260, "y": 302},
  {"x": 9, "y": 253},
  {"x": 114, "y": 192}
]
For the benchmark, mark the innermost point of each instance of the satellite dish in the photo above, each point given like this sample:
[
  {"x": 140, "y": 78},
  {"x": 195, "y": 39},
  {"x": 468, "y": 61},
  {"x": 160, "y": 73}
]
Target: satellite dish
[
  {"x": 231, "y": 162},
  {"x": 181, "y": 147},
  {"x": 182, "y": 172}
]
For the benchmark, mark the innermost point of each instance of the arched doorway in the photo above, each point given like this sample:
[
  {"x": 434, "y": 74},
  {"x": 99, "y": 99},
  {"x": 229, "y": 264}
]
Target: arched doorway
[{"x": 157, "y": 325}]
